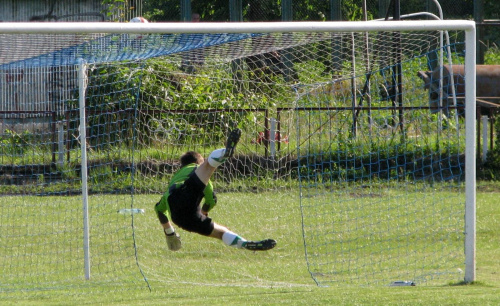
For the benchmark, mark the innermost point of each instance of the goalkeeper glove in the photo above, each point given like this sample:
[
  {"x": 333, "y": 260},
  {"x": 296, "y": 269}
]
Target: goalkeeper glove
[{"x": 173, "y": 241}]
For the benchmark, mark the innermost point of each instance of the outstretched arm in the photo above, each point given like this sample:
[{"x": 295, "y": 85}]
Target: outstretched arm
[
  {"x": 173, "y": 239},
  {"x": 165, "y": 223}
]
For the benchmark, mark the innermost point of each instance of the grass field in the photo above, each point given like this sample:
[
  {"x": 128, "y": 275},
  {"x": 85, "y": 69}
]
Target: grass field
[{"x": 205, "y": 272}]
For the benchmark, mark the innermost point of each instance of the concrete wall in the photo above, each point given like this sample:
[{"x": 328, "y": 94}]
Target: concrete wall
[
  {"x": 29, "y": 94},
  {"x": 66, "y": 10},
  {"x": 53, "y": 10}
]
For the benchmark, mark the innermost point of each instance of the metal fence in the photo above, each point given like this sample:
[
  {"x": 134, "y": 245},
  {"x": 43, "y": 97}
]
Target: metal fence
[{"x": 485, "y": 12}]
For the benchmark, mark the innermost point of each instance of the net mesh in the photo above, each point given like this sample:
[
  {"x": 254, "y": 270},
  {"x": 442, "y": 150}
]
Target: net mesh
[{"x": 344, "y": 118}]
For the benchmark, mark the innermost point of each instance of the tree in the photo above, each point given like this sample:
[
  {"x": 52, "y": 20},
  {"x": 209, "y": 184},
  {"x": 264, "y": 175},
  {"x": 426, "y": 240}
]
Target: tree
[{"x": 169, "y": 10}]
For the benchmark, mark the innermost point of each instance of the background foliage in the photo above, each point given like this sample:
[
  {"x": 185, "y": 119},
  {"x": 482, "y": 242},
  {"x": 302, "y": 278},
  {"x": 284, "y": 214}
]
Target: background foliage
[{"x": 263, "y": 10}]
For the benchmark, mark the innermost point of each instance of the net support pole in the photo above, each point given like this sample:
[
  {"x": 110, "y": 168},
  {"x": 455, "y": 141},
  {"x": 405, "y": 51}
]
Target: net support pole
[
  {"x": 470, "y": 155},
  {"x": 82, "y": 87}
]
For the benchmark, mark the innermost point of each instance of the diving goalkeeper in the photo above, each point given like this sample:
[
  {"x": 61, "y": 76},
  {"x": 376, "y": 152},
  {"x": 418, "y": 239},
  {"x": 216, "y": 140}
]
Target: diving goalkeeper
[{"x": 189, "y": 185}]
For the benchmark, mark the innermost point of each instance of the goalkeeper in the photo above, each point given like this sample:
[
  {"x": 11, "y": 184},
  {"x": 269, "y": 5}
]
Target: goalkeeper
[{"x": 181, "y": 202}]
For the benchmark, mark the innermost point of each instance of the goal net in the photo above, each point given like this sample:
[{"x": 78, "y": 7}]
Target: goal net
[{"x": 360, "y": 125}]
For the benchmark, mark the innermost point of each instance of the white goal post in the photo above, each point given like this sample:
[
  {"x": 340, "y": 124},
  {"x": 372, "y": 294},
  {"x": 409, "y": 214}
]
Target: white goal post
[{"x": 468, "y": 27}]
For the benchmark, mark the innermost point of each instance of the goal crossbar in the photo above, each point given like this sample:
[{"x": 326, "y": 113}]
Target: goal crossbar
[{"x": 234, "y": 27}]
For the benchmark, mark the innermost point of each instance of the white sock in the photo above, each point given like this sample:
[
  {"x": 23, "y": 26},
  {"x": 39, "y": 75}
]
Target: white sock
[
  {"x": 231, "y": 239},
  {"x": 215, "y": 159}
]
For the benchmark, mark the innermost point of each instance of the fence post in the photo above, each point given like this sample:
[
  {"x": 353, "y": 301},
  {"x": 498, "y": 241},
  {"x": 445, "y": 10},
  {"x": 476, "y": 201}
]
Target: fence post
[
  {"x": 286, "y": 10},
  {"x": 484, "y": 120},
  {"x": 235, "y": 10},
  {"x": 479, "y": 18},
  {"x": 186, "y": 10},
  {"x": 60, "y": 143}
]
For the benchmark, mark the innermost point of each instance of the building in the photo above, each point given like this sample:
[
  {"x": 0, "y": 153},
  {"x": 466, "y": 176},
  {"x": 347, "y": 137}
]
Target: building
[
  {"x": 68, "y": 10},
  {"x": 30, "y": 97}
]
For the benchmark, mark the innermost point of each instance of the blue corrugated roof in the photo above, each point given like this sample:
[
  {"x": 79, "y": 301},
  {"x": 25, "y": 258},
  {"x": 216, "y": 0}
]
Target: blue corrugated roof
[{"x": 124, "y": 47}]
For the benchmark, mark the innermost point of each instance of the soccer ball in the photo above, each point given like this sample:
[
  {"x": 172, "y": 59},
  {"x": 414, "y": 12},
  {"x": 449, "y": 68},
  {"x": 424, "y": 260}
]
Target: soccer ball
[{"x": 138, "y": 20}]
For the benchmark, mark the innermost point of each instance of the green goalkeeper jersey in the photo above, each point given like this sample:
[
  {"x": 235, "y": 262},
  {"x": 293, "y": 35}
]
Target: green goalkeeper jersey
[{"x": 178, "y": 179}]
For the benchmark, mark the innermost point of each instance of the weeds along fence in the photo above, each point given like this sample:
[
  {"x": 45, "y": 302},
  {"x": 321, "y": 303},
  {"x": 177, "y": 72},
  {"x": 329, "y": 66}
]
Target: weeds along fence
[
  {"x": 268, "y": 150},
  {"x": 142, "y": 115}
]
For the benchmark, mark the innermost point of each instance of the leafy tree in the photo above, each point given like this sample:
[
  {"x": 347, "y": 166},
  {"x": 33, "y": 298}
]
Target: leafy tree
[
  {"x": 162, "y": 10},
  {"x": 491, "y": 9},
  {"x": 170, "y": 10}
]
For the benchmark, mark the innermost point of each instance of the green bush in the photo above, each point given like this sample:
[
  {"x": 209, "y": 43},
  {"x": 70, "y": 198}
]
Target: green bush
[
  {"x": 492, "y": 56},
  {"x": 491, "y": 169},
  {"x": 14, "y": 143}
]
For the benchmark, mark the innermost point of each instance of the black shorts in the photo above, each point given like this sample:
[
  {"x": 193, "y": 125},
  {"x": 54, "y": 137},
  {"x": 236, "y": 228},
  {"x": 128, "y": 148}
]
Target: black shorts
[{"x": 184, "y": 202}]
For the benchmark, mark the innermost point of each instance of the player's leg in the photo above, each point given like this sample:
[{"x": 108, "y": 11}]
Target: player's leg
[
  {"x": 204, "y": 172},
  {"x": 217, "y": 157},
  {"x": 234, "y": 240},
  {"x": 228, "y": 237}
]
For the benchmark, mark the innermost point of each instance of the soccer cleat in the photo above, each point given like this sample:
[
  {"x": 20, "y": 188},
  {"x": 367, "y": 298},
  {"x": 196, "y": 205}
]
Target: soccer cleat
[
  {"x": 262, "y": 245},
  {"x": 232, "y": 141}
]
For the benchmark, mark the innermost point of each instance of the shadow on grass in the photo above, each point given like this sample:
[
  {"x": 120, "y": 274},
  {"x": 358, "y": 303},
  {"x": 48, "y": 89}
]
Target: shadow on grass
[{"x": 474, "y": 283}]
